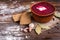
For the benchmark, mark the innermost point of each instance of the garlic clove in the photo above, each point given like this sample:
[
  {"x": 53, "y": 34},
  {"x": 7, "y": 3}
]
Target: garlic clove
[
  {"x": 31, "y": 25},
  {"x": 25, "y": 30},
  {"x": 30, "y": 29}
]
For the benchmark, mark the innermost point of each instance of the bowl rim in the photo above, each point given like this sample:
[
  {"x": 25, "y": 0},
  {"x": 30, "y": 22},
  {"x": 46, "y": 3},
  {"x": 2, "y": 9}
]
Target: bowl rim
[{"x": 42, "y": 15}]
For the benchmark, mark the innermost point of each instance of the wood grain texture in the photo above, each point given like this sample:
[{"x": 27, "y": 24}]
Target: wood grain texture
[{"x": 52, "y": 34}]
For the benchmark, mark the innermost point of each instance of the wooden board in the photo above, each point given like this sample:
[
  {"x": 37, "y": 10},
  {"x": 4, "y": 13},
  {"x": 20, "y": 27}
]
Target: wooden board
[{"x": 10, "y": 31}]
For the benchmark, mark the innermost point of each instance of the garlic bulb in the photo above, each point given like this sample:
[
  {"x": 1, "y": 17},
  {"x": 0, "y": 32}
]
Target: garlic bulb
[{"x": 31, "y": 25}]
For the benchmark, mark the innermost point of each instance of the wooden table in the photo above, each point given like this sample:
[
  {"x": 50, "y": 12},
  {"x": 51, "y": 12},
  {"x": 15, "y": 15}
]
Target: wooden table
[
  {"x": 9, "y": 31},
  {"x": 6, "y": 34}
]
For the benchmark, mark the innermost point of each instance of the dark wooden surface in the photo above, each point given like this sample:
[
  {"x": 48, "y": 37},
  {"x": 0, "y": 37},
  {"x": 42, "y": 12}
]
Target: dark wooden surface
[{"x": 52, "y": 34}]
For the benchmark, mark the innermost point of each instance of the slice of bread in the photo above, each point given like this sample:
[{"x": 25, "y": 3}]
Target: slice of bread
[{"x": 25, "y": 18}]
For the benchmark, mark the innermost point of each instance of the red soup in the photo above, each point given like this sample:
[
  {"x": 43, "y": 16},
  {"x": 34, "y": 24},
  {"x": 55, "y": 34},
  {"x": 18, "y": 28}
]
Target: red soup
[{"x": 42, "y": 11}]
